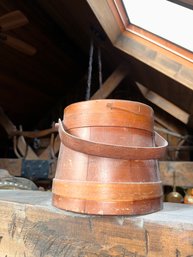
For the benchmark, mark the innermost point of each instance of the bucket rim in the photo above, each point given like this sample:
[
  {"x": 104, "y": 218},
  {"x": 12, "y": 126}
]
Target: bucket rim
[{"x": 110, "y": 100}]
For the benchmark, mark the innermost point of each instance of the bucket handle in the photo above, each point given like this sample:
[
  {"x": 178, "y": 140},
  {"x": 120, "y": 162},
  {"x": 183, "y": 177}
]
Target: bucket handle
[{"x": 112, "y": 151}]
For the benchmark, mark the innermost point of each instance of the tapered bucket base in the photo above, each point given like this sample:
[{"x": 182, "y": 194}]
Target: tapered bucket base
[{"x": 108, "y": 208}]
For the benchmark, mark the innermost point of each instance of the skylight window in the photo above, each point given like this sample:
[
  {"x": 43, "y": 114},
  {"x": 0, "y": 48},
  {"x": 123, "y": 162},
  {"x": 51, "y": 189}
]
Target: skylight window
[{"x": 163, "y": 18}]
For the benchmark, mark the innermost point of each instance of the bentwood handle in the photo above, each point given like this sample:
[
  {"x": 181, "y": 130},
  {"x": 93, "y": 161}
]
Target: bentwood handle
[{"x": 113, "y": 151}]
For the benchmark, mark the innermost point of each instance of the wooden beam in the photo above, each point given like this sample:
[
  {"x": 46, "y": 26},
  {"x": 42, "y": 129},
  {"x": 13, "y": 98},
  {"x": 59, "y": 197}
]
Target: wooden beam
[
  {"x": 31, "y": 226},
  {"x": 108, "y": 20},
  {"x": 176, "y": 128},
  {"x": 164, "y": 104},
  {"x": 183, "y": 173},
  {"x": 164, "y": 61},
  {"x": 111, "y": 83}
]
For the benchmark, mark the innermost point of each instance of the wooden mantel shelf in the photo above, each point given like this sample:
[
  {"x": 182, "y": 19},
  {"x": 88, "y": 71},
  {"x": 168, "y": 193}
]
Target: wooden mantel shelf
[{"x": 31, "y": 226}]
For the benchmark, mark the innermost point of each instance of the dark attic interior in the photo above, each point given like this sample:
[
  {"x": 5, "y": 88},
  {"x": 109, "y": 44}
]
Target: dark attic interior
[{"x": 68, "y": 70}]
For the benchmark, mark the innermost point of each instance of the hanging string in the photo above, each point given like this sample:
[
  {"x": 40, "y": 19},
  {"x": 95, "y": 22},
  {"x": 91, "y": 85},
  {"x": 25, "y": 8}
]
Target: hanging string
[
  {"x": 90, "y": 70},
  {"x": 100, "y": 67}
]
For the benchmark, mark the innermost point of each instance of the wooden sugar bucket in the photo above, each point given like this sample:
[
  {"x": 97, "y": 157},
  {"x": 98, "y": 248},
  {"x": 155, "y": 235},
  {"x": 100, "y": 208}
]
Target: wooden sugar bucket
[{"x": 107, "y": 162}]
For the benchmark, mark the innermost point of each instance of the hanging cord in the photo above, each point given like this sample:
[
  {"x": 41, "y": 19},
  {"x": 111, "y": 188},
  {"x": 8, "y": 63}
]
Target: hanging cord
[
  {"x": 90, "y": 70},
  {"x": 100, "y": 67}
]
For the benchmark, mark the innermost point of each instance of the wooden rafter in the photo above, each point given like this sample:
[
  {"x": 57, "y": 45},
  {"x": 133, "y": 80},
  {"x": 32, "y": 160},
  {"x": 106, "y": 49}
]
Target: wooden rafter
[
  {"x": 183, "y": 173},
  {"x": 164, "y": 104},
  {"x": 111, "y": 83}
]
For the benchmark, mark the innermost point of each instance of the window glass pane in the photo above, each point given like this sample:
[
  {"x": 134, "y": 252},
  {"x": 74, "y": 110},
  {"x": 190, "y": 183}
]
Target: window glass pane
[{"x": 163, "y": 18}]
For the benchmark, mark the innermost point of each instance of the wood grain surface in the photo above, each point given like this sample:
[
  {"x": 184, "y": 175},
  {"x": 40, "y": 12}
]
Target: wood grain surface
[{"x": 31, "y": 227}]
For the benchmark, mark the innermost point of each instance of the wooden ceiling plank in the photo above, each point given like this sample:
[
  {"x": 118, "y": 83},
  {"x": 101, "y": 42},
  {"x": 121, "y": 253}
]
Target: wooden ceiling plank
[
  {"x": 111, "y": 83},
  {"x": 164, "y": 104}
]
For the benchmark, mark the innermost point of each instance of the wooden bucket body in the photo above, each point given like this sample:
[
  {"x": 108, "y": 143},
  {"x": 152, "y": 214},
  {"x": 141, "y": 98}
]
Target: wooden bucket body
[{"x": 107, "y": 162}]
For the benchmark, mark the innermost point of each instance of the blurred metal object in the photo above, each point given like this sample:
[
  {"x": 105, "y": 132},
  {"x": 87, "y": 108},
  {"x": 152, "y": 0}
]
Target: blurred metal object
[
  {"x": 10, "y": 182},
  {"x": 174, "y": 196},
  {"x": 188, "y": 198}
]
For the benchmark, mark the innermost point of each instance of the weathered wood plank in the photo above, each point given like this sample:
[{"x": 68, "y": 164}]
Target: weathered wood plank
[
  {"x": 183, "y": 173},
  {"x": 30, "y": 226}
]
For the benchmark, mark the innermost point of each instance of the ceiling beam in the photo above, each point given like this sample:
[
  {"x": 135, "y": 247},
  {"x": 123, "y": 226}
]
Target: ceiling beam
[
  {"x": 164, "y": 104},
  {"x": 169, "y": 125},
  {"x": 111, "y": 83}
]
